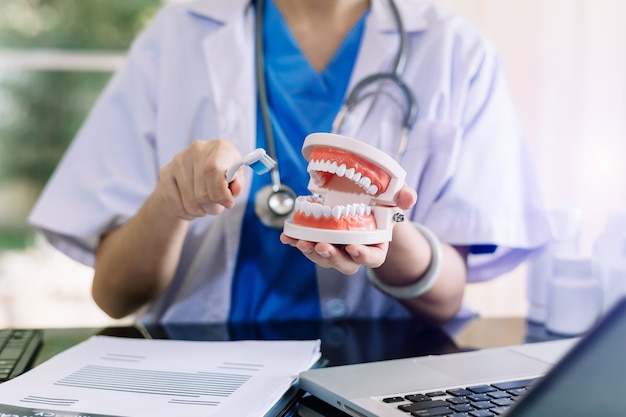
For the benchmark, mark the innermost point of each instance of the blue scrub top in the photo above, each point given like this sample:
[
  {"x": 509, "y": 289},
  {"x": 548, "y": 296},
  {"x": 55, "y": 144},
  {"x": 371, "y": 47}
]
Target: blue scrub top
[{"x": 272, "y": 281}]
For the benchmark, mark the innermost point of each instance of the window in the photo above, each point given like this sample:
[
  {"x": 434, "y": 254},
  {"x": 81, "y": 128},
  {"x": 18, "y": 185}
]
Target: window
[{"x": 55, "y": 58}]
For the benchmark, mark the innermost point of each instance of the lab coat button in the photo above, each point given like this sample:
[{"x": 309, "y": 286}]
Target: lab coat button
[{"x": 336, "y": 308}]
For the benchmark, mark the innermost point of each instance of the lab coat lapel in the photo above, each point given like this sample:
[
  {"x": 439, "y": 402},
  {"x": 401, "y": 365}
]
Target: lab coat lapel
[
  {"x": 369, "y": 61},
  {"x": 380, "y": 35},
  {"x": 229, "y": 57}
]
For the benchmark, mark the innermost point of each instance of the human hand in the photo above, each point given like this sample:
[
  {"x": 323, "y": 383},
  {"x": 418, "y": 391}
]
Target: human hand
[
  {"x": 348, "y": 258},
  {"x": 194, "y": 184}
]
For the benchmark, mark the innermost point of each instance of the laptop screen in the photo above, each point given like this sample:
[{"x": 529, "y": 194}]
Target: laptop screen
[{"x": 589, "y": 381}]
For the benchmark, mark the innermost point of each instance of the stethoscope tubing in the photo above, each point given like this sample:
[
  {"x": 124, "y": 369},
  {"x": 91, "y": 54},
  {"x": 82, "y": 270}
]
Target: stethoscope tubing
[{"x": 285, "y": 194}]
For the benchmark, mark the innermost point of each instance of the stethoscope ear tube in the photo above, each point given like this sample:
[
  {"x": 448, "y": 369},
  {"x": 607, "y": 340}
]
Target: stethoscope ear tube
[
  {"x": 355, "y": 97},
  {"x": 276, "y": 202}
]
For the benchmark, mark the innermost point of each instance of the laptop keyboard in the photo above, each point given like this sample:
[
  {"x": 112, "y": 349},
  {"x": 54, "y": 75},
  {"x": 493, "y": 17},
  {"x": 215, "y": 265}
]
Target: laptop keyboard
[
  {"x": 474, "y": 401},
  {"x": 18, "y": 348}
]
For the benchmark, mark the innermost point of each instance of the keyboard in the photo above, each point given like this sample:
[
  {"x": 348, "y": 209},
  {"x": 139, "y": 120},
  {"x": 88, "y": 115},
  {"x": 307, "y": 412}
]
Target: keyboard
[
  {"x": 18, "y": 349},
  {"x": 475, "y": 401}
]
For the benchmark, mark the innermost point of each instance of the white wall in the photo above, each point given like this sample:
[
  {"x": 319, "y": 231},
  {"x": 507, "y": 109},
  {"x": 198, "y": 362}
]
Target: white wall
[{"x": 565, "y": 61}]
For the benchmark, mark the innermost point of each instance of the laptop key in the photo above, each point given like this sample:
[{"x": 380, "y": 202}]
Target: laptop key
[
  {"x": 516, "y": 391},
  {"x": 481, "y": 413},
  {"x": 481, "y": 389},
  {"x": 458, "y": 400},
  {"x": 417, "y": 397},
  {"x": 502, "y": 401},
  {"x": 522, "y": 383},
  {"x": 462, "y": 407},
  {"x": 393, "y": 399},
  {"x": 423, "y": 405},
  {"x": 499, "y": 394},
  {"x": 436, "y": 394},
  {"x": 458, "y": 392},
  {"x": 432, "y": 412},
  {"x": 483, "y": 405},
  {"x": 479, "y": 397},
  {"x": 499, "y": 410}
]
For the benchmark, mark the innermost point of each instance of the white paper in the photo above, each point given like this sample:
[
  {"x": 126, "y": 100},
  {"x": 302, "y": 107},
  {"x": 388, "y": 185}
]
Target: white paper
[{"x": 148, "y": 378}]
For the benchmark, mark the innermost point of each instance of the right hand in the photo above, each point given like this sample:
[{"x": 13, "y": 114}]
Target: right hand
[{"x": 194, "y": 184}]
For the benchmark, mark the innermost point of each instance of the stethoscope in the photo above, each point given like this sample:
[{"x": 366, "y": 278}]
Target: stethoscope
[{"x": 275, "y": 202}]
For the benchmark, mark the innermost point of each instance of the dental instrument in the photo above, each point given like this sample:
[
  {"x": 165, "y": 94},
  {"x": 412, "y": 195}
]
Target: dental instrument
[{"x": 258, "y": 160}]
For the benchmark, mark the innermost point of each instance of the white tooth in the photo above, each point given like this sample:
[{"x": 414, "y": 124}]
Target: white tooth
[
  {"x": 372, "y": 190},
  {"x": 336, "y": 212},
  {"x": 326, "y": 211},
  {"x": 360, "y": 209},
  {"x": 317, "y": 210},
  {"x": 325, "y": 166},
  {"x": 352, "y": 209},
  {"x": 310, "y": 168},
  {"x": 349, "y": 173},
  {"x": 368, "y": 210},
  {"x": 333, "y": 167},
  {"x": 365, "y": 182},
  {"x": 298, "y": 204},
  {"x": 318, "y": 165},
  {"x": 345, "y": 210},
  {"x": 356, "y": 177},
  {"x": 306, "y": 208},
  {"x": 341, "y": 170}
]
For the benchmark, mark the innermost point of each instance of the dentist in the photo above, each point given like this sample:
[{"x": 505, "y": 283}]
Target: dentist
[{"x": 141, "y": 196}]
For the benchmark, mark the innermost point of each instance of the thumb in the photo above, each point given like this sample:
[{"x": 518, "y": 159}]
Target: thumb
[{"x": 407, "y": 197}]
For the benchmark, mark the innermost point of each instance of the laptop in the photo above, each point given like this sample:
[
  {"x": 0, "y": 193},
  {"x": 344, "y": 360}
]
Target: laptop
[{"x": 572, "y": 377}]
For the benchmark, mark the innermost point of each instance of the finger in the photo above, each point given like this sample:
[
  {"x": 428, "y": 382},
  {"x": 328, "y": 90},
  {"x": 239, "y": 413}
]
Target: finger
[
  {"x": 331, "y": 256},
  {"x": 236, "y": 186},
  {"x": 172, "y": 196},
  {"x": 308, "y": 249},
  {"x": 288, "y": 240},
  {"x": 189, "y": 193},
  {"x": 210, "y": 189},
  {"x": 371, "y": 256},
  {"x": 179, "y": 174},
  {"x": 407, "y": 197}
]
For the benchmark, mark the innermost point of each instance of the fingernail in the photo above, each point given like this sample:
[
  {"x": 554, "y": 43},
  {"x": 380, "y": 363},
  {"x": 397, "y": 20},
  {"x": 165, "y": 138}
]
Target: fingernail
[{"x": 324, "y": 254}]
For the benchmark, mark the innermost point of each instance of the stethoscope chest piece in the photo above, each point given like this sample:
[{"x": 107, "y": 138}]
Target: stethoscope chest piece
[{"x": 273, "y": 205}]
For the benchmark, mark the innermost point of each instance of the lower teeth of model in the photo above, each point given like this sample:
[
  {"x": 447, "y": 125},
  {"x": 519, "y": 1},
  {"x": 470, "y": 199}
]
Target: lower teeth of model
[{"x": 318, "y": 210}]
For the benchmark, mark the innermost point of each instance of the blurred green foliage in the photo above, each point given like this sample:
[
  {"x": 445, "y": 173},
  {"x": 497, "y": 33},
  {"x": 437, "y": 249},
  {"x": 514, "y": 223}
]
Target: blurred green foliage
[
  {"x": 44, "y": 111},
  {"x": 41, "y": 111},
  {"x": 73, "y": 24}
]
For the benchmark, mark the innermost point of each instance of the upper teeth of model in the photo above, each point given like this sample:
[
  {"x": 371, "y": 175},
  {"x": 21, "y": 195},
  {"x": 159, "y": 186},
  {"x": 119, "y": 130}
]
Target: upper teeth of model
[
  {"x": 315, "y": 167},
  {"x": 312, "y": 206}
]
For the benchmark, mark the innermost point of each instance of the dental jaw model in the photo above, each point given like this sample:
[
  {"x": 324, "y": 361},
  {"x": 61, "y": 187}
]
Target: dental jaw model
[{"x": 354, "y": 186}]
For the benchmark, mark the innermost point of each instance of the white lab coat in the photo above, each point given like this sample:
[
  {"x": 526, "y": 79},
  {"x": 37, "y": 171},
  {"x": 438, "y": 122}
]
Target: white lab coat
[{"x": 190, "y": 76}]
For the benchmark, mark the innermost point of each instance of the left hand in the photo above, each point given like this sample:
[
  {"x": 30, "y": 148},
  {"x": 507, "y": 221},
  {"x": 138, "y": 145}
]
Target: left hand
[{"x": 347, "y": 259}]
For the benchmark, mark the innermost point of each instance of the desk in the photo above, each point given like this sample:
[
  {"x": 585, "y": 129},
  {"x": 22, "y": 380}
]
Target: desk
[{"x": 343, "y": 342}]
